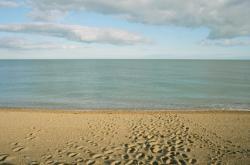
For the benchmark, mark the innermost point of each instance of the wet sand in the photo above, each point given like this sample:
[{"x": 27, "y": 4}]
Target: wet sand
[{"x": 124, "y": 137}]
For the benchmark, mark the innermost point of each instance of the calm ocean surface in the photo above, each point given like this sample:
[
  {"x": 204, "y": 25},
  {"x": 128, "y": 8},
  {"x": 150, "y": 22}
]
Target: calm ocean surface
[{"x": 147, "y": 84}]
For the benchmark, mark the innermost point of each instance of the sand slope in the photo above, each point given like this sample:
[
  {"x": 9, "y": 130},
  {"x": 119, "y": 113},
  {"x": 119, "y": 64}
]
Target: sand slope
[{"x": 36, "y": 137}]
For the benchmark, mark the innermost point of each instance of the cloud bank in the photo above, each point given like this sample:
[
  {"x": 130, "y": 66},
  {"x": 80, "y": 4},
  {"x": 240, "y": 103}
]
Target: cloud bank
[
  {"x": 8, "y": 4},
  {"x": 76, "y": 33},
  {"x": 224, "y": 18},
  {"x": 24, "y": 44},
  {"x": 225, "y": 42}
]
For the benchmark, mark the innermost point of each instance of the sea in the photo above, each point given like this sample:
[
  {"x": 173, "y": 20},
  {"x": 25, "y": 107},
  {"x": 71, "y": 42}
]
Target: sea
[{"x": 125, "y": 84}]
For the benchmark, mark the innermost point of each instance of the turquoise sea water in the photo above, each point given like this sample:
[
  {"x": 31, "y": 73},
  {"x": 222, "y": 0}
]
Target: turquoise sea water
[{"x": 147, "y": 84}]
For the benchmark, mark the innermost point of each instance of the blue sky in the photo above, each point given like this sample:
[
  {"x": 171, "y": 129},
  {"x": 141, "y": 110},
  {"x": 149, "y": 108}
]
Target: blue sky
[{"x": 104, "y": 29}]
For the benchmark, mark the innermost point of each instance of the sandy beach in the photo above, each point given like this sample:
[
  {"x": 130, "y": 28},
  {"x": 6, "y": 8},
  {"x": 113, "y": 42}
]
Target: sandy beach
[{"x": 124, "y": 137}]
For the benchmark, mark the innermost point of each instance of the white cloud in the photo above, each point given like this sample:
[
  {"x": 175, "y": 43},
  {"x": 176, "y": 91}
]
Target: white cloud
[
  {"x": 226, "y": 42},
  {"x": 24, "y": 44},
  {"x": 224, "y": 18},
  {"x": 50, "y": 15},
  {"x": 76, "y": 33},
  {"x": 8, "y": 4}
]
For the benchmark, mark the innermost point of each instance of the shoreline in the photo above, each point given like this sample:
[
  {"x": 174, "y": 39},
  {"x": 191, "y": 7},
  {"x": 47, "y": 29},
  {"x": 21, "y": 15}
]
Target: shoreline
[{"x": 123, "y": 110}]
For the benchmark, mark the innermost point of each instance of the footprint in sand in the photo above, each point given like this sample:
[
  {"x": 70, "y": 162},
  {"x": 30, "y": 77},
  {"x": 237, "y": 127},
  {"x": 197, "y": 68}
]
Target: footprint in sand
[
  {"x": 18, "y": 149},
  {"x": 105, "y": 157},
  {"x": 72, "y": 154},
  {"x": 47, "y": 157},
  {"x": 3, "y": 157},
  {"x": 140, "y": 156},
  {"x": 192, "y": 161},
  {"x": 116, "y": 162},
  {"x": 90, "y": 162},
  {"x": 79, "y": 147},
  {"x": 79, "y": 160},
  {"x": 131, "y": 150},
  {"x": 49, "y": 162},
  {"x": 30, "y": 136},
  {"x": 131, "y": 162},
  {"x": 108, "y": 152},
  {"x": 172, "y": 161},
  {"x": 96, "y": 156},
  {"x": 125, "y": 156},
  {"x": 34, "y": 163},
  {"x": 14, "y": 143},
  {"x": 187, "y": 149}
]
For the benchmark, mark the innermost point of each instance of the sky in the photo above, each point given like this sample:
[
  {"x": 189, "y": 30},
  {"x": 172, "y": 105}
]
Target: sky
[{"x": 125, "y": 29}]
